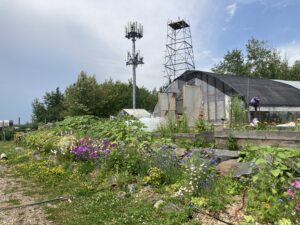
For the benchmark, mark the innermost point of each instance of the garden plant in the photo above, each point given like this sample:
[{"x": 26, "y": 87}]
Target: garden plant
[{"x": 117, "y": 173}]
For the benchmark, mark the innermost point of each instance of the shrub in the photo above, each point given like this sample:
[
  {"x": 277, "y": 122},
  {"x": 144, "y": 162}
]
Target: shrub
[
  {"x": 7, "y": 135},
  {"x": 19, "y": 138},
  {"x": 43, "y": 141},
  {"x": 202, "y": 125},
  {"x": 155, "y": 176}
]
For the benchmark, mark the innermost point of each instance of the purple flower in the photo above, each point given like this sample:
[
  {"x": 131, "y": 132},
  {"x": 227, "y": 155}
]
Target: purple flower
[
  {"x": 290, "y": 192},
  {"x": 297, "y": 207},
  {"x": 92, "y": 149},
  {"x": 296, "y": 184}
]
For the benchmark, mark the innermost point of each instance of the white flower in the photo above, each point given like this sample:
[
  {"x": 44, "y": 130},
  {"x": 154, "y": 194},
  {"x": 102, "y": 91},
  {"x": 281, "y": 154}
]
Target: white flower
[{"x": 53, "y": 151}]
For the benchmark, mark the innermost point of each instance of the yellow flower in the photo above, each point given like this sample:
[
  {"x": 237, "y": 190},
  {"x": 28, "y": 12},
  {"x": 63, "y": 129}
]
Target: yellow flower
[{"x": 267, "y": 205}]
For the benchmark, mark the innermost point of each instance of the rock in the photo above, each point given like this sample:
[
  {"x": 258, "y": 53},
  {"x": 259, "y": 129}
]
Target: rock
[
  {"x": 225, "y": 154},
  {"x": 121, "y": 195},
  {"x": 180, "y": 152},
  {"x": 20, "y": 149},
  {"x": 131, "y": 188},
  {"x": 227, "y": 166},
  {"x": 171, "y": 207},
  {"x": 113, "y": 181},
  {"x": 36, "y": 155},
  {"x": 159, "y": 203},
  {"x": 148, "y": 194},
  {"x": 3, "y": 156},
  {"x": 52, "y": 158},
  {"x": 245, "y": 168}
]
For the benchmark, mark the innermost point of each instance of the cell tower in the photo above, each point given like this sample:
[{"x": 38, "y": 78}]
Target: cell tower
[
  {"x": 179, "y": 49},
  {"x": 133, "y": 31}
]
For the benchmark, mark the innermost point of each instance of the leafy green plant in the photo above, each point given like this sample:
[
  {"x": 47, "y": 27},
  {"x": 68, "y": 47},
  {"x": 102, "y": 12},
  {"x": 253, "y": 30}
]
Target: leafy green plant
[
  {"x": 238, "y": 112},
  {"x": 172, "y": 125},
  {"x": 284, "y": 221},
  {"x": 232, "y": 142},
  {"x": 43, "y": 141},
  {"x": 19, "y": 138},
  {"x": 202, "y": 125},
  {"x": 267, "y": 196},
  {"x": 75, "y": 124},
  {"x": 163, "y": 156},
  {"x": 155, "y": 176}
]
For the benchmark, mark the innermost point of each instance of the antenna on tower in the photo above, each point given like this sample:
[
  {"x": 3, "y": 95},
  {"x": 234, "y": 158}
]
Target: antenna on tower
[
  {"x": 133, "y": 31},
  {"x": 179, "y": 50}
]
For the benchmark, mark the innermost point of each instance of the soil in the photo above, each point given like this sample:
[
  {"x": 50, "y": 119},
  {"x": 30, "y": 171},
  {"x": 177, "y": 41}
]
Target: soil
[{"x": 13, "y": 193}]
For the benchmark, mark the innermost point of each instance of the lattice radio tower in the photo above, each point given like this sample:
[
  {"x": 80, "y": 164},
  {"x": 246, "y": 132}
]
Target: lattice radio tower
[
  {"x": 179, "y": 50},
  {"x": 133, "y": 31}
]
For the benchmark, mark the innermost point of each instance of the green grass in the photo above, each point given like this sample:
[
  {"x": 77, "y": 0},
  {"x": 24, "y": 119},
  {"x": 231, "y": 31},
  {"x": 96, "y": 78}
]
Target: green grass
[
  {"x": 106, "y": 208},
  {"x": 6, "y": 147}
]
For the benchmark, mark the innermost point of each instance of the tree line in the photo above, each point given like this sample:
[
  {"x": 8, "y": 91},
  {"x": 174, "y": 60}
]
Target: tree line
[
  {"x": 260, "y": 61},
  {"x": 88, "y": 97}
]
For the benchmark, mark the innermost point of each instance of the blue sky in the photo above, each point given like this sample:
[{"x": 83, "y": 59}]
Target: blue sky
[{"x": 44, "y": 44}]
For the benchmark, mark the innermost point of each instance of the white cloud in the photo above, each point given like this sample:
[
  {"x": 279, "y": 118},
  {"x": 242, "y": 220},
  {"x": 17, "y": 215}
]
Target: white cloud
[
  {"x": 231, "y": 9},
  {"x": 290, "y": 51},
  {"x": 50, "y": 41},
  {"x": 91, "y": 33},
  {"x": 206, "y": 60}
]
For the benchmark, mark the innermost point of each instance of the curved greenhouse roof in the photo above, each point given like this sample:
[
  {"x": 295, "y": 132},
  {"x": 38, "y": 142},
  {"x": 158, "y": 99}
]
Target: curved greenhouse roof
[{"x": 271, "y": 93}]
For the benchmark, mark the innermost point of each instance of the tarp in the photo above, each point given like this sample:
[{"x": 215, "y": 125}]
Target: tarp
[{"x": 270, "y": 92}]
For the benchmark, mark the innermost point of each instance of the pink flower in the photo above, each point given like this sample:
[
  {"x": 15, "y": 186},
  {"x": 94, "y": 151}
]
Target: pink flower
[
  {"x": 290, "y": 192},
  {"x": 297, "y": 207},
  {"x": 296, "y": 184}
]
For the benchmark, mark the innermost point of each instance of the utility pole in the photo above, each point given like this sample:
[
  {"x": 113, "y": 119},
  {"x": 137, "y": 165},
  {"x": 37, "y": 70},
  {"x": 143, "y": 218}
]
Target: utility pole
[
  {"x": 133, "y": 31},
  {"x": 3, "y": 131}
]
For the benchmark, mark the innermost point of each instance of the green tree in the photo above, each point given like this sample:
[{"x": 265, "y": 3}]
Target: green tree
[
  {"x": 87, "y": 97},
  {"x": 146, "y": 99},
  {"x": 51, "y": 109},
  {"x": 295, "y": 71},
  {"x": 38, "y": 111},
  {"x": 82, "y": 97},
  {"x": 54, "y": 103},
  {"x": 263, "y": 61},
  {"x": 233, "y": 63},
  {"x": 260, "y": 61},
  {"x": 115, "y": 97}
]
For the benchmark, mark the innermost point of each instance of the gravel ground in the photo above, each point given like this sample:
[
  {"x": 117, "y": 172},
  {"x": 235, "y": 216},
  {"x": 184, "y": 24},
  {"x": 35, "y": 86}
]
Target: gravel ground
[
  {"x": 13, "y": 193},
  {"x": 230, "y": 215}
]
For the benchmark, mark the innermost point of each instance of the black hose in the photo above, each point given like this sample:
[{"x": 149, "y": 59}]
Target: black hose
[
  {"x": 35, "y": 203},
  {"x": 216, "y": 218}
]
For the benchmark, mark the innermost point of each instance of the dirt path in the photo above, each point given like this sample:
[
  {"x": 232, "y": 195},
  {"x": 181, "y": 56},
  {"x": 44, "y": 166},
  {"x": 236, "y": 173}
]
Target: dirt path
[{"x": 12, "y": 193}]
